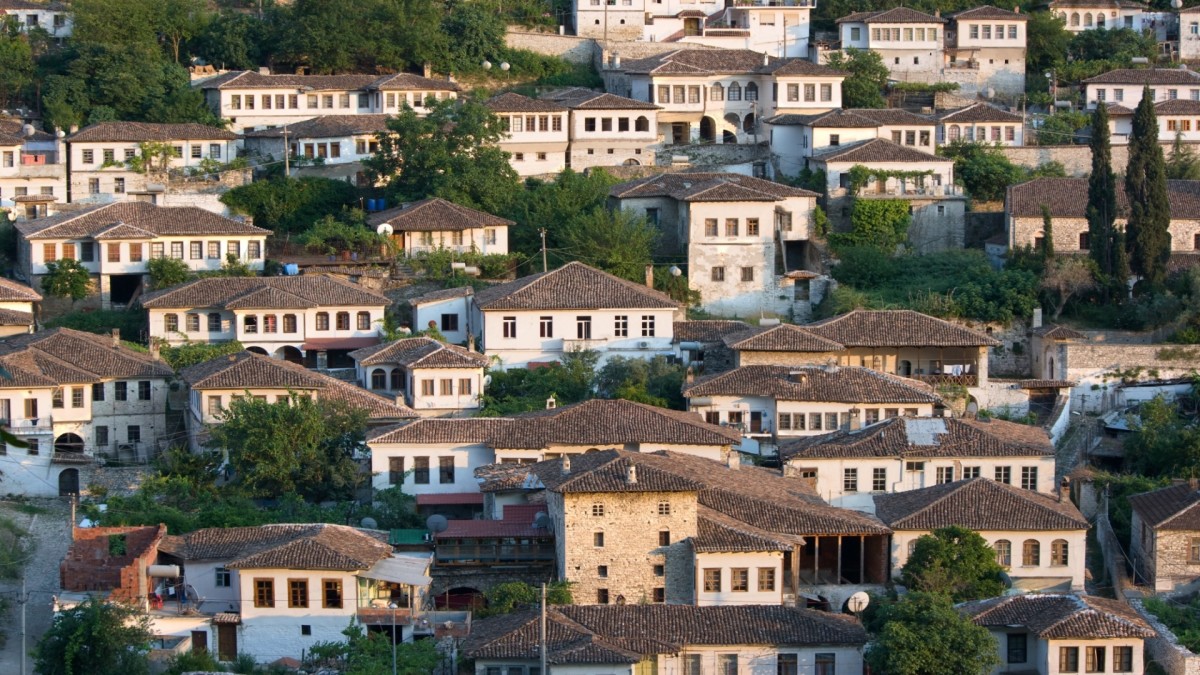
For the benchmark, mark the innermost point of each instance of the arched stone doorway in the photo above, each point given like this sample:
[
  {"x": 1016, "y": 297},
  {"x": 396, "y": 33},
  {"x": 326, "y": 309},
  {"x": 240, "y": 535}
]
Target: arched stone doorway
[
  {"x": 748, "y": 123},
  {"x": 68, "y": 482},
  {"x": 460, "y": 598},
  {"x": 257, "y": 350},
  {"x": 708, "y": 129},
  {"x": 290, "y": 354}
]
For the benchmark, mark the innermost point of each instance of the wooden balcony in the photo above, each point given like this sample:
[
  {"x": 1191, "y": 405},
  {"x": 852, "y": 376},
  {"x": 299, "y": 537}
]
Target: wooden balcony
[
  {"x": 483, "y": 553},
  {"x": 967, "y": 380}
]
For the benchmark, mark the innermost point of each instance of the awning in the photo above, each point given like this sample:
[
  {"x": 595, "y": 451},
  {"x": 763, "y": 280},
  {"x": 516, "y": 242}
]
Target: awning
[
  {"x": 450, "y": 498},
  {"x": 401, "y": 569},
  {"x": 227, "y": 617},
  {"x": 323, "y": 344}
]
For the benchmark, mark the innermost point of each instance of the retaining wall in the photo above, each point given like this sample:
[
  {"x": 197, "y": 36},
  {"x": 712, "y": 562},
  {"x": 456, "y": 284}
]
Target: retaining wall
[{"x": 1165, "y": 649}]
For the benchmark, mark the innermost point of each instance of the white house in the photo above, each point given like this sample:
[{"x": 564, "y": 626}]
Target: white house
[
  {"x": 540, "y": 317},
  {"x": 52, "y": 17},
  {"x": 435, "y": 224},
  {"x": 114, "y": 242},
  {"x": 253, "y": 100},
  {"x": 1081, "y": 15},
  {"x": 33, "y": 171},
  {"x": 733, "y": 229},
  {"x": 608, "y": 130},
  {"x": 905, "y": 453},
  {"x": 1049, "y": 634},
  {"x": 985, "y": 51},
  {"x": 611, "y": 639},
  {"x": 908, "y": 41},
  {"x": 433, "y": 377},
  {"x": 1125, "y": 86},
  {"x": 328, "y": 140},
  {"x": 119, "y": 161},
  {"x": 72, "y": 396},
  {"x": 311, "y": 319},
  {"x": 535, "y": 133},
  {"x": 796, "y": 137},
  {"x": 1040, "y": 540},
  {"x": 447, "y": 310},
  {"x": 16, "y": 308},
  {"x": 982, "y": 123}
]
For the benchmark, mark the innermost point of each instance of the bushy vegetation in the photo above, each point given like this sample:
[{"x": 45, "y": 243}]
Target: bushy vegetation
[
  {"x": 290, "y": 205},
  {"x": 956, "y": 562},
  {"x": 437, "y": 265},
  {"x": 514, "y": 596},
  {"x": 131, "y": 322},
  {"x": 654, "y": 382},
  {"x": 191, "y": 353},
  {"x": 1183, "y": 618}
]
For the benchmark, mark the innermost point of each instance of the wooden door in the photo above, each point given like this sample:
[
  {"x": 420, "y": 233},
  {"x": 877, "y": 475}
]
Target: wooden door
[
  {"x": 199, "y": 640},
  {"x": 227, "y": 649}
]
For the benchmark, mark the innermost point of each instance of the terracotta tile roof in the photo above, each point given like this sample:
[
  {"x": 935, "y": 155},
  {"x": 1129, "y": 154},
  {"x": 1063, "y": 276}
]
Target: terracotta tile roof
[
  {"x": 572, "y": 286},
  {"x": 308, "y": 290},
  {"x": 160, "y": 220},
  {"x": 247, "y": 370},
  {"x": 1179, "y": 106},
  {"x": 798, "y": 66},
  {"x": 1176, "y": 507},
  {"x": 980, "y": 504},
  {"x": 605, "y": 634},
  {"x": 11, "y": 317},
  {"x": 914, "y": 438},
  {"x": 1067, "y": 198},
  {"x": 586, "y": 99},
  {"x": 703, "y": 186},
  {"x": 988, "y": 12},
  {"x": 442, "y": 430},
  {"x": 1058, "y": 617},
  {"x": 12, "y": 132},
  {"x": 718, "y": 533},
  {"x": 1146, "y": 76},
  {"x": 419, "y": 352},
  {"x": 602, "y": 422},
  {"x": 894, "y": 15},
  {"x": 453, "y": 498},
  {"x": 1045, "y": 384},
  {"x": 411, "y": 82},
  {"x": 248, "y": 79},
  {"x": 14, "y": 291},
  {"x": 122, "y": 231},
  {"x": 1118, "y": 110},
  {"x": 713, "y": 330},
  {"x": 878, "y": 150},
  {"x": 444, "y": 294},
  {"x": 327, "y": 126},
  {"x": 487, "y": 529},
  {"x": 785, "y": 337},
  {"x": 138, "y": 132},
  {"x": 1107, "y": 4},
  {"x": 514, "y": 102},
  {"x": 435, "y": 215},
  {"x": 1056, "y": 332},
  {"x": 851, "y": 118},
  {"x": 897, "y": 328},
  {"x": 62, "y": 355},
  {"x": 30, "y": 4},
  {"x": 979, "y": 112},
  {"x": 297, "y": 547},
  {"x": 698, "y": 62},
  {"x": 816, "y": 384}
]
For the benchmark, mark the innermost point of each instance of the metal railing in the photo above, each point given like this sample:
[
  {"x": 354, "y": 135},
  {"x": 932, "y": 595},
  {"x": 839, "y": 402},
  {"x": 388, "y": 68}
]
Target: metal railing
[{"x": 468, "y": 554}]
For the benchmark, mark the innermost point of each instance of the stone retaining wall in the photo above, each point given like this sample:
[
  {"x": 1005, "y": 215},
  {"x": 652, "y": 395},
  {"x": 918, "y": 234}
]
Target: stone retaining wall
[
  {"x": 570, "y": 48},
  {"x": 1077, "y": 159},
  {"x": 1165, "y": 649}
]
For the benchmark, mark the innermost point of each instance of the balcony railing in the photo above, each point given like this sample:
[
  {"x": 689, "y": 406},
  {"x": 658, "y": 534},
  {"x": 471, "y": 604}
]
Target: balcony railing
[
  {"x": 27, "y": 428},
  {"x": 467, "y": 554},
  {"x": 967, "y": 380},
  {"x": 775, "y": 3},
  {"x": 77, "y": 458}
]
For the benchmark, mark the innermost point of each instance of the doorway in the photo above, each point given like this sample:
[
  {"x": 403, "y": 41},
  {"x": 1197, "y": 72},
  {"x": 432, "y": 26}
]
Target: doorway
[
  {"x": 227, "y": 648},
  {"x": 199, "y": 641},
  {"x": 68, "y": 482}
]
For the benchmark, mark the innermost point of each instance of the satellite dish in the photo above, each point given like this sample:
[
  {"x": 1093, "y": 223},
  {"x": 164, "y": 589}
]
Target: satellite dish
[
  {"x": 384, "y": 229},
  {"x": 369, "y": 523},
  {"x": 436, "y": 523},
  {"x": 858, "y": 602},
  {"x": 542, "y": 520}
]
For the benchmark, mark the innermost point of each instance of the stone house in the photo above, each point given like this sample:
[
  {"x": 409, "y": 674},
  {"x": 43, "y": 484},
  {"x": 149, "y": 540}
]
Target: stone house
[
  {"x": 794, "y": 138},
  {"x": 214, "y": 385},
  {"x": 16, "y": 308},
  {"x": 608, "y": 130},
  {"x": 1081, "y": 15},
  {"x": 770, "y": 403},
  {"x": 535, "y": 133},
  {"x": 410, "y": 368},
  {"x": 1165, "y": 535},
  {"x": 1125, "y": 86},
  {"x": 311, "y": 319},
  {"x": 985, "y": 51},
  {"x": 1050, "y": 634},
  {"x": 741, "y": 236},
  {"x": 908, "y": 41},
  {"x": 341, "y": 142},
  {"x": 254, "y": 100},
  {"x": 434, "y": 224},
  {"x": 1067, "y": 201},
  {"x": 1047, "y": 532},
  {"x": 983, "y": 123},
  {"x": 406, "y": 455},
  {"x": 612, "y": 639},
  {"x": 115, "y": 243},
  {"x": 900, "y": 454},
  {"x": 72, "y": 396},
  {"x": 674, "y": 528},
  {"x": 53, "y": 17},
  {"x": 1048, "y": 350},
  {"x": 1189, "y": 34},
  {"x": 99, "y": 158},
  {"x": 33, "y": 170}
]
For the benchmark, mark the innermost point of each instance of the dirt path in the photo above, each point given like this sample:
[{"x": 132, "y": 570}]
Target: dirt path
[{"x": 49, "y": 537}]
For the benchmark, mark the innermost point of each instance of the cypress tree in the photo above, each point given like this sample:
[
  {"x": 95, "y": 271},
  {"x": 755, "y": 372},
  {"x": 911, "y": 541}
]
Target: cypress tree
[
  {"x": 1047, "y": 234},
  {"x": 1146, "y": 237},
  {"x": 1107, "y": 246}
]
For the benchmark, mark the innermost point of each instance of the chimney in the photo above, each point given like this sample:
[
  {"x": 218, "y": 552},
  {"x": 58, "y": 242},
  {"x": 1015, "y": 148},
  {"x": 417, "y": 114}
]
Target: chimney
[
  {"x": 116, "y": 337},
  {"x": 1036, "y": 322},
  {"x": 1017, "y": 9},
  {"x": 797, "y": 376},
  {"x": 1194, "y": 483},
  {"x": 426, "y": 69},
  {"x": 616, "y": 61},
  {"x": 551, "y": 403},
  {"x": 566, "y": 464},
  {"x": 937, "y": 13},
  {"x": 631, "y": 474},
  {"x": 766, "y": 60},
  {"x": 733, "y": 460},
  {"x": 471, "y": 342},
  {"x": 649, "y": 276},
  {"x": 689, "y": 376},
  {"x": 154, "y": 350},
  {"x": 1063, "y": 486},
  {"x": 264, "y": 71},
  {"x": 855, "y": 419}
]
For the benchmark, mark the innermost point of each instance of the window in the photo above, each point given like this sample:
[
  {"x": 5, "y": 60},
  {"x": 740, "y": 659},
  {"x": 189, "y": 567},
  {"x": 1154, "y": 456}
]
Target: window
[
  {"x": 1003, "y": 550},
  {"x": 421, "y": 470},
  {"x": 826, "y": 92},
  {"x": 735, "y": 91},
  {"x": 601, "y": 596},
  {"x": 464, "y": 386},
  {"x": 712, "y": 580},
  {"x": 510, "y": 327},
  {"x": 1017, "y": 648},
  {"x": 33, "y": 449},
  {"x": 223, "y": 578},
  {"x": 826, "y": 664},
  {"x": 77, "y": 397},
  {"x": 134, "y": 433},
  {"x": 660, "y": 570},
  {"x": 583, "y": 327},
  {"x": 727, "y": 664},
  {"x": 297, "y": 593},
  {"x": 56, "y": 398},
  {"x": 445, "y": 470},
  {"x": 97, "y": 392},
  {"x": 731, "y": 227},
  {"x": 264, "y": 592},
  {"x": 621, "y": 326},
  {"x": 1122, "y": 659},
  {"x": 250, "y": 324},
  {"x": 1059, "y": 552},
  {"x": 766, "y": 579},
  {"x": 659, "y": 595},
  {"x": 427, "y": 387},
  {"x": 747, "y": 274},
  {"x": 718, "y": 274},
  {"x": 849, "y": 479},
  {"x": 171, "y": 323},
  {"x": 945, "y": 474},
  {"x": 31, "y": 408},
  {"x": 233, "y": 248},
  {"x": 752, "y": 227},
  {"x": 121, "y": 391},
  {"x": 1031, "y": 553},
  {"x": 739, "y": 580},
  {"x": 331, "y": 593},
  {"x": 270, "y": 324},
  {"x": 1029, "y": 477},
  {"x": 879, "y": 480},
  {"x": 1068, "y": 659},
  {"x": 89, "y": 156},
  {"x": 602, "y": 571},
  {"x": 597, "y": 510},
  {"x": 343, "y": 320},
  {"x": 1004, "y": 474},
  {"x": 395, "y": 470},
  {"x": 364, "y": 321},
  {"x": 647, "y": 325},
  {"x": 114, "y": 252},
  {"x": 664, "y": 508},
  {"x": 254, "y": 250},
  {"x": 447, "y": 386},
  {"x": 1194, "y": 551},
  {"x": 664, "y": 538},
  {"x": 710, "y": 227},
  {"x": 214, "y": 250},
  {"x": 322, "y": 321},
  {"x": 1095, "y": 659},
  {"x": 598, "y": 539},
  {"x": 1085, "y": 241}
]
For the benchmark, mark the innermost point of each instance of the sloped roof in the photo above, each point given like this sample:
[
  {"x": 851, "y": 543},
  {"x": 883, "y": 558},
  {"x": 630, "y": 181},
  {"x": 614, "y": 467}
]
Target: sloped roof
[
  {"x": 896, "y": 328},
  {"x": 138, "y": 132},
  {"x": 849, "y": 118},
  {"x": 160, "y": 220},
  {"x": 1058, "y": 617},
  {"x": 326, "y": 126},
  {"x": 894, "y": 15},
  {"x": 1146, "y": 76},
  {"x": 514, "y": 102},
  {"x": 710, "y": 330},
  {"x": 799, "y": 67},
  {"x": 785, "y": 337},
  {"x": 988, "y": 12},
  {"x": 12, "y": 132},
  {"x": 878, "y": 150},
  {"x": 14, "y": 291},
  {"x": 1056, "y": 332},
  {"x": 435, "y": 215},
  {"x": 916, "y": 437},
  {"x": 814, "y": 383},
  {"x": 706, "y": 186},
  {"x": 1175, "y": 507},
  {"x": 1177, "y": 106},
  {"x": 307, "y": 290},
  {"x": 63, "y": 355},
  {"x": 978, "y": 504},
  {"x": 572, "y": 286},
  {"x": 718, "y": 533},
  {"x": 979, "y": 112},
  {"x": 248, "y": 79},
  {"x": 577, "y": 98},
  {"x": 443, "y": 294},
  {"x": 698, "y": 62},
  {"x": 297, "y": 547},
  {"x": 1067, "y": 198},
  {"x": 419, "y": 352}
]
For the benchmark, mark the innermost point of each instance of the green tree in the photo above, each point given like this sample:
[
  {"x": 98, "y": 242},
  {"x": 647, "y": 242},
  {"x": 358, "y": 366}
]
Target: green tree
[
  {"x": 191, "y": 353},
  {"x": 16, "y": 60},
  {"x": 477, "y": 36},
  {"x": 1163, "y": 442},
  {"x": 618, "y": 242},
  {"x": 1047, "y": 251},
  {"x": 451, "y": 152},
  {"x": 66, "y": 278},
  {"x": 96, "y": 637},
  {"x": 550, "y": 205},
  {"x": 330, "y": 235},
  {"x": 1146, "y": 237},
  {"x": 517, "y": 595},
  {"x": 923, "y": 634},
  {"x": 655, "y": 382},
  {"x": 299, "y": 445},
  {"x": 867, "y": 79},
  {"x": 1067, "y": 277},
  {"x": 1046, "y": 40},
  {"x": 1106, "y": 242},
  {"x": 1182, "y": 164},
  {"x": 290, "y": 205},
  {"x": 984, "y": 171},
  {"x": 520, "y": 390},
  {"x": 1119, "y": 45},
  {"x": 166, "y": 272},
  {"x": 371, "y": 653},
  {"x": 956, "y": 562},
  {"x": 233, "y": 41},
  {"x": 876, "y": 223},
  {"x": 1061, "y": 128},
  {"x": 179, "y": 21},
  {"x": 360, "y": 36}
]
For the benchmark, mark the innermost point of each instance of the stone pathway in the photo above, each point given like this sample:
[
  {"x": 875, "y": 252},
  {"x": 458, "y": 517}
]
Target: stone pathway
[{"x": 49, "y": 537}]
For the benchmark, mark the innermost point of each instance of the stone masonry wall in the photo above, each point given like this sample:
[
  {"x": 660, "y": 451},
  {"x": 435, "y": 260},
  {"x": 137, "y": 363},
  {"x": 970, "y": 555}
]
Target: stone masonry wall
[
  {"x": 1077, "y": 159},
  {"x": 1165, "y": 649},
  {"x": 571, "y": 48},
  {"x": 631, "y": 525}
]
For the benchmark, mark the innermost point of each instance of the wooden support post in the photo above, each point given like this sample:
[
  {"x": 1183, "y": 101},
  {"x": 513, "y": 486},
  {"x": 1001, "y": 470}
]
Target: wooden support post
[{"x": 839, "y": 561}]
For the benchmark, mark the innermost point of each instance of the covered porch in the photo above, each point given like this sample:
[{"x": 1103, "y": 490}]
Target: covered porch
[
  {"x": 837, "y": 560},
  {"x": 965, "y": 366}
]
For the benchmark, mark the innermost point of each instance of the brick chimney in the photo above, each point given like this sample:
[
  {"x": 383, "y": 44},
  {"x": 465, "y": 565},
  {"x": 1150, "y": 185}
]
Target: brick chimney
[
  {"x": 116, "y": 337},
  {"x": 649, "y": 276},
  {"x": 631, "y": 474},
  {"x": 733, "y": 460},
  {"x": 566, "y": 464}
]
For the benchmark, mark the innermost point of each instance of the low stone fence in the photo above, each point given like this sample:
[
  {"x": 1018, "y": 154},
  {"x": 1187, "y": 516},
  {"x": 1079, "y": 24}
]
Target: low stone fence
[{"x": 1165, "y": 649}]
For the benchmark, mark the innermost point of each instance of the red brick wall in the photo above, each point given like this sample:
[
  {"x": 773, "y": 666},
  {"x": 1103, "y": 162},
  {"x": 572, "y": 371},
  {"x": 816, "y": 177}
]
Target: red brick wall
[{"x": 89, "y": 566}]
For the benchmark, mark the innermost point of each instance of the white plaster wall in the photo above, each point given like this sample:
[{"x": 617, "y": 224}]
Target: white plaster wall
[
  {"x": 529, "y": 346},
  {"x": 727, "y": 562},
  {"x": 467, "y": 458},
  {"x": 1076, "y": 556},
  {"x": 433, "y": 311},
  {"x": 272, "y": 633}
]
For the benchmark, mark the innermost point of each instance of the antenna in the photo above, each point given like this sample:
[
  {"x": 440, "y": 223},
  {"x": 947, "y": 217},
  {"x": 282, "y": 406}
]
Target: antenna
[{"x": 384, "y": 229}]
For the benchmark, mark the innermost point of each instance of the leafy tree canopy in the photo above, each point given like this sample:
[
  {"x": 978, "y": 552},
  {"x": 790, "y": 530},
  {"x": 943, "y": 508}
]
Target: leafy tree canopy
[
  {"x": 371, "y": 653},
  {"x": 923, "y": 634},
  {"x": 517, "y": 595},
  {"x": 96, "y": 637},
  {"x": 166, "y": 271},
  {"x": 956, "y": 562},
  {"x": 864, "y": 87},
  {"x": 289, "y": 205},
  {"x": 875, "y": 223},
  {"x": 618, "y": 242},
  {"x": 66, "y": 278}
]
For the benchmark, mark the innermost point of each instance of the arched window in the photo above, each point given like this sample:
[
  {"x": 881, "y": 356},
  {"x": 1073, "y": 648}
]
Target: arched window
[
  {"x": 397, "y": 380},
  {"x": 1059, "y": 553},
  {"x": 250, "y": 324},
  {"x": 214, "y": 322},
  {"x": 1003, "y": 548},
  {"x": 1031, "y": 553},
  {"x": 343, "y": 320},
  {"x": 641, "y": 124},
  {"x": 1100, "y": 20},
  {"x": 716, "y": 92},
  {"x": 171, "y": 322},
  {"x": 322, "y": 321},
  {"x": 193, "y": 323},
  {"x": 1075, "y": 19},
  {"x": 364, "y": 321},
  {"x": 289, "y": 323},
  {"x": 752, "y": 92},
  {"x": 1087, "y": 20},
  {"x": 270, "y": 323},
  {"x": 379, "y": 379},
  {"x": 735, "y": 91},
  {"x": 912, "y": 548},
  {"x": 954, "y": 132}
]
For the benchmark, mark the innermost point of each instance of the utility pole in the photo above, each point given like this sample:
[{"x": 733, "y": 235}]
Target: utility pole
[
  {"x": 544, "y": 266},
  {"x": 287, "y": 153},
  {"x": 543, "y": 670},
  {"x": 24, "y": 601}
]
